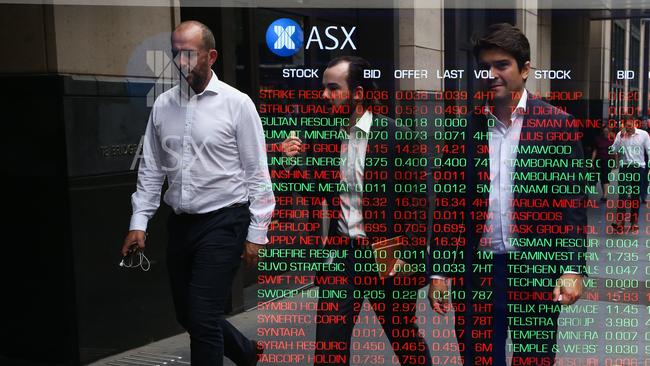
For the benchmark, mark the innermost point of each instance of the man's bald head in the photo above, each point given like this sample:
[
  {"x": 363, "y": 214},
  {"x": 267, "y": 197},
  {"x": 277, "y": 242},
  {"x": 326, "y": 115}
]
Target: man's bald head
[
  {"x": 194, "y": 53},
  {"x": 207, "y": 38}
]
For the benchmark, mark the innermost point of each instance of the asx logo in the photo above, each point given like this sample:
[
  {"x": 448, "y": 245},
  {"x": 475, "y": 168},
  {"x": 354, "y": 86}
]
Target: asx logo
[{"x": 284, "y": 37}]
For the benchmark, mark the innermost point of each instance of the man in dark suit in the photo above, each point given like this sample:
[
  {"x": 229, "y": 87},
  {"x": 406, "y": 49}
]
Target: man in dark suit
[
  {"x": 518, "y": 235},
  {"x": 376, "y": 195}
]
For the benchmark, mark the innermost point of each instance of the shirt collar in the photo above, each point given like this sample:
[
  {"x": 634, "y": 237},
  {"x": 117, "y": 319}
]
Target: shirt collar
[
  {"x": 364, "y": 122},
  {"x": 212, "y": 87},
  {"x": 213, "y": 84},
  {"x": 520, "y": 109}
]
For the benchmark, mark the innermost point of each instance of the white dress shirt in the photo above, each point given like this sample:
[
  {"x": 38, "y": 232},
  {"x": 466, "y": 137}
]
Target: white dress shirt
[
  {"x": 353, "y": 157},
  {"x": 631, "y": 148},
  {"x": 503, "y": 144},
  {"x": 212, "y": 151}
]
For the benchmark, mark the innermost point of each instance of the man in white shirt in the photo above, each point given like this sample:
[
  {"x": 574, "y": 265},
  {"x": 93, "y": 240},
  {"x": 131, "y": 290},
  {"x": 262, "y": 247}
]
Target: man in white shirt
[
  {"x": 516, "y": 257},
  {"x": 631, "y": 146},
  {"x": 206, "y": 139},
  {"x": 368, "y": 206}
]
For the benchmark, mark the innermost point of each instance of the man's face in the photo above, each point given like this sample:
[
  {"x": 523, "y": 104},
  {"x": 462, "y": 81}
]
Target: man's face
[
  {"x": 191, "y": 59},
  {"x": 629, "y": 126},
  {"x": 507, "y": 76},
  {"x": 335, "y": 85}
]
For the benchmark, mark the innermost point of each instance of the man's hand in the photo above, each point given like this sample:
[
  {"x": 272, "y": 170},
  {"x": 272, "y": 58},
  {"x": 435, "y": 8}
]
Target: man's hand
[
  {"x": 398, "y": 269},
  {"x": 568, "y": 289},
  {"x": 133, "y": 237},
  {"x": 250, "y": 255},
  {"x": 439, "y": 295},
  {"x": 291, "y": 146}
]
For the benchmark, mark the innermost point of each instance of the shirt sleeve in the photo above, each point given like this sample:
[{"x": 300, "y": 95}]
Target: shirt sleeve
[
  {"x": 252, "y": 154},
  {"x": 616, "y": 144},
  {"x": 146, "y": 199}
]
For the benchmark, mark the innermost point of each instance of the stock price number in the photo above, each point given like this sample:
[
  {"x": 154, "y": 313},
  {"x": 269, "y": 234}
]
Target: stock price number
[
  {"x": 411, "y": 162},
  {"x": 369, "y": 294},
  {"x": 365, "y": 359},
  {"x": 449, "y": 162},
  {"x": 368, "y": 346},
  {"x": 412, "y": 122},
  {"x": 410, "y": 188},
  {"x": 410, "y": 175},
  {"x": 411, "y": 148}
]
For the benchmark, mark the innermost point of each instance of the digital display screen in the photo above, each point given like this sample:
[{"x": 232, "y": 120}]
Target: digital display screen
[
  {"x": 455, "y": 182},
  {"x": 563, "y": 208}
]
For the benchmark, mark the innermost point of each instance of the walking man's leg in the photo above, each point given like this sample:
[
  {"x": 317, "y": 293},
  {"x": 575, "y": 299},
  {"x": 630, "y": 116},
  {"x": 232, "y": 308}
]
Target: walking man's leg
[{"x": 215, "y": 244}]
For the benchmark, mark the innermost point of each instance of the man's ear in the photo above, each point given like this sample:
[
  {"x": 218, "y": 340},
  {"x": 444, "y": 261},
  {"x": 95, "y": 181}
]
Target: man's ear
[
  {"x": 212, "y": 56},
  {"x": 525, "y": 70},
  {"x": 357, "y": 94}
]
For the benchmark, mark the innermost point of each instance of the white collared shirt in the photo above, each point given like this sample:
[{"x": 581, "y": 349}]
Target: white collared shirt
[
  {"x": 353, "y": 156},
  {"x": 631, "y": 148},
  {"x": 212, "y": 151},
  {"x": 503, "y": 144}
]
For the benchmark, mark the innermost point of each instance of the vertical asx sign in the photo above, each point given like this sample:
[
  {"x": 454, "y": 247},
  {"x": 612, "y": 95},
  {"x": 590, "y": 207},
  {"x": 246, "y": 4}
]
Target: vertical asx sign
[{"x": 284, "y": 37}]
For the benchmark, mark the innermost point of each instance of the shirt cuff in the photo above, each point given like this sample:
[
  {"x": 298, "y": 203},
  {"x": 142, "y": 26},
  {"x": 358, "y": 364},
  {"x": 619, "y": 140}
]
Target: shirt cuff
[
  {"x": 437, "y": 277},
  {"x": 138, "y": 222},
  {"x": 257, "y": 235}
]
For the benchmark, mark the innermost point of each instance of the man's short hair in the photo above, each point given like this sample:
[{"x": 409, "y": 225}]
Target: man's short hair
[
  {"x": 207, "y": 37},
  {"x": 506, "y": 37},
  {"x": 356, "y": 68}
]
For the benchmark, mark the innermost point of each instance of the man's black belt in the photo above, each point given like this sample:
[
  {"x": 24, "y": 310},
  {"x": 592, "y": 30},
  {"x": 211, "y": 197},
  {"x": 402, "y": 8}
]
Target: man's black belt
[{"x": 211, "y": 213}]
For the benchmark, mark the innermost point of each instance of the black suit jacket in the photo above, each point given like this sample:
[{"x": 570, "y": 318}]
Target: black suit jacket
[{"x": 548, "y": 207}]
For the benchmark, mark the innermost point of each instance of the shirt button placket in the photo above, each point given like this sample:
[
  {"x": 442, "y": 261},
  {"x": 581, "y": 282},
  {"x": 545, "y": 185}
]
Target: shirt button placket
[{"x": 186, "y": 156}]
